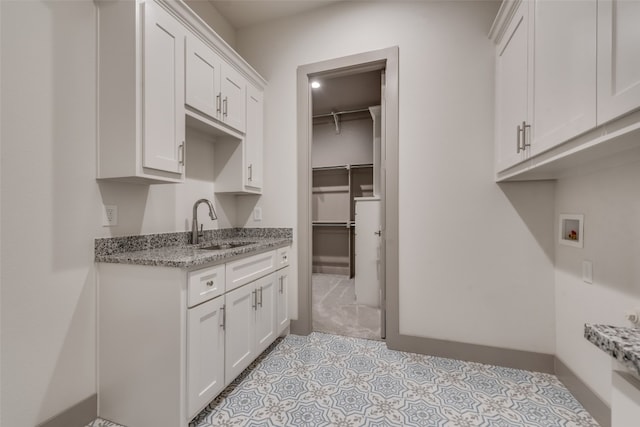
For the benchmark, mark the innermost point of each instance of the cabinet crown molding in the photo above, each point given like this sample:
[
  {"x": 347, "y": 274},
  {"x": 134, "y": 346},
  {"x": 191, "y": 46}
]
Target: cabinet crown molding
[
  {"x": 199, "y": 27},
  {"x": 503, "y": 17}
]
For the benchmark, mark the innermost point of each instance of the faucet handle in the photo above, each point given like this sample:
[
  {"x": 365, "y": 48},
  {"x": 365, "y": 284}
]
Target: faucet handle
[{"x": 201, "y": 234}]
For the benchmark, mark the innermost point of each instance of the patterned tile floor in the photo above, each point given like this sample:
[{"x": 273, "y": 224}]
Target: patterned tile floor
[{"x": 328, "y": 380}]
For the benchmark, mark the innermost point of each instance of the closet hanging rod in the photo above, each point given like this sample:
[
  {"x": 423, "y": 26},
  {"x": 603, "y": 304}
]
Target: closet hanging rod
[{"x": 362, "y": 110}]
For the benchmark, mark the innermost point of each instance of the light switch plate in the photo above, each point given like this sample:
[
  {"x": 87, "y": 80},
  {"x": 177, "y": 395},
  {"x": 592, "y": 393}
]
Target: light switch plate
[
  {"x": 257, "y": 214},
  {"x": 587, "y": 272}
]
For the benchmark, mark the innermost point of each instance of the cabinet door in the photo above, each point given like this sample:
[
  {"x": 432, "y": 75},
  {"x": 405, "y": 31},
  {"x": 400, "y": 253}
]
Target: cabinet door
[
  {"x": 367, "y": 277},
  {"x": 564, "y": 83},
  {"x": 618, "y": 58},
  {"x": 163, "y": 90},
  {"x": 203, "y": 78},
  {"x": 283, "y": 299},
  {"x": 205, "y": 354},
  {"x": 512, "y": 79},
  {"x": 233, "y": 87},
  {"x": 240, "y": 306},
  {"x": 254, "y": 138},
  {"x": 266, "y": 328}
]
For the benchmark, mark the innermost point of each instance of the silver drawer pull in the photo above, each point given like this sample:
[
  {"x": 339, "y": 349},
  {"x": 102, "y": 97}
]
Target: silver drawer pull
[{"x": 210, "y": 283}]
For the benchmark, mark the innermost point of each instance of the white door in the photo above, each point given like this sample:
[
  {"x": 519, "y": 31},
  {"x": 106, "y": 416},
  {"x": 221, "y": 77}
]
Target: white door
[
  {"x": 367, "y": 250},
  {"x": 205, "y": 354},
  {"x": 266, "y": 329},
  {"x": 240, "y": 306},
  {"x": 282, "y": 281},
  {"x": 163, "y": 90},
  {"x": 203, "y": 78},
  {"x": 253, "y": 138},
  {"x": 512, "y": 80},
  {"x": 233, "y": 87},
  {"x": 618, "y": 58},
  {"x": 564, "y": 83}
]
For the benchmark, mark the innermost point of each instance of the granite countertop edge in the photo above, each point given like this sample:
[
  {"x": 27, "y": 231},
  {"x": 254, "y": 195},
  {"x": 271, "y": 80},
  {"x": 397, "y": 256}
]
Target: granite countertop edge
[
  {"x": 172, "y": 249},
  {"x": 621, "y": 343}
]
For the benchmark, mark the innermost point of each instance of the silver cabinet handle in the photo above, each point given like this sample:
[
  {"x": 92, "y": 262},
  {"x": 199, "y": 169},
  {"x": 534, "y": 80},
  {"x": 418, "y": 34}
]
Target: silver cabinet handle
[
  {"x": 525, "y": 144},
  {"x": 251, "y": 172},
  {"x": 254, "y": 296},
  {"x": 518, "y": 148},
  {"x": 218, "y": 98},
  {"x": 210, "y": 283},
  {"x": 181, "y": 154},
  {"x": 224, "y": 317},
  {"x": 225, "y": 103},
  {"x": 378, "y": 233},
  {"x": 281, "y": 280},
  {"x": 260, "y": 297}
]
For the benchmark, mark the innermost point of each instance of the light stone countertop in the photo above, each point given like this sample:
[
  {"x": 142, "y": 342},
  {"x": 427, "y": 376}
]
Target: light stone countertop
[
  {"x": 173, "y": 250},
  {"x": 621, "y": 343}
]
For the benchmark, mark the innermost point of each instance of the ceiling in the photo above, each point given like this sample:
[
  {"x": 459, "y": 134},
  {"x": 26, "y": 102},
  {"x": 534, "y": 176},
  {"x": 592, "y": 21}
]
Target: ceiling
[
  {"x": 245, "y": 13},
  {"x": 349, "y": 92}
]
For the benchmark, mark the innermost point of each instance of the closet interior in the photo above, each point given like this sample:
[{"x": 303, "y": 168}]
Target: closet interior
[{"x": 346, "y": 171}]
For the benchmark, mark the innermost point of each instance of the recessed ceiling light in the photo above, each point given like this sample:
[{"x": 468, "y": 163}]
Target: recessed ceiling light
[{"x": 315, "y": 84}]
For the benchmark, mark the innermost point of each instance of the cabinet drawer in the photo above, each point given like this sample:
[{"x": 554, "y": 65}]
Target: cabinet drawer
[
  {"x": 283, "y": 257},
  {"x": 248, "y": 269},
  {"x": 205, "y": 284}
]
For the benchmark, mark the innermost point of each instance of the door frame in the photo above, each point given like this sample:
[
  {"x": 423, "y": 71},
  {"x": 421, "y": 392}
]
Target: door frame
[{"x": 386, "y": 59}]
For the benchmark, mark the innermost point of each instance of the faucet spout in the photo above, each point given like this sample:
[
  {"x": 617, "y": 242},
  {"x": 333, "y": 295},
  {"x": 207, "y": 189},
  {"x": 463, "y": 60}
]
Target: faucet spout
[{"x": 195, "y": 233}]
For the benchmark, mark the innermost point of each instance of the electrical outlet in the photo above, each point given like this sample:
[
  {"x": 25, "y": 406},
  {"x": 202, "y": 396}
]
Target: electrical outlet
[
  {"x": 257, "y": 214},
  {"x": 587, "y": 272},
  {"x": 633, "y": 316},
  {"x": 110, "y": 215}
]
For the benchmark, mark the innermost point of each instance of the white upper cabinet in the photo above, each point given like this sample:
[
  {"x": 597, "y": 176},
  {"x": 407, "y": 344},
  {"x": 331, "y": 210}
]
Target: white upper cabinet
[
  {"x": 163, "y": 90},
  {"x": 141, "y": 126},
  {"x": 564, "y": 72},
  {"x": 545, "y": 78},
  {"x": 254, "y": 138},
  {"x": 214, "y": 87},
  {"x": 161, "y": 69},
  {"x": 233, "y": 88},
  {"x": 618, "y": 58},
  {"x": 512, "y": 91},
  {"x": 203, "y": 77}
]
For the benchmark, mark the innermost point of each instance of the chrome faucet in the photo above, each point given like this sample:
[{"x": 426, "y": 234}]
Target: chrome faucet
[{"x": 195, "y": 234}]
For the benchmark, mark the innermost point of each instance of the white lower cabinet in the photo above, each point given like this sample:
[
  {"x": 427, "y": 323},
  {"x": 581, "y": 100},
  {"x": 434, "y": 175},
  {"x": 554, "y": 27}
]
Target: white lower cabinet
[
  {"x": 170, "y": 340},
  {"x": 251, "y": 314},
  {"x": 205, "y": 354},
  {"x": 282, "y": 280}
]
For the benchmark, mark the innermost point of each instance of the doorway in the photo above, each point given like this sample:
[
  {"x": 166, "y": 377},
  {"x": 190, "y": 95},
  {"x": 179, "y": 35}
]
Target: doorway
[
  {"x": 345, "y": 201},
  {"x": 336, "y": 225}
]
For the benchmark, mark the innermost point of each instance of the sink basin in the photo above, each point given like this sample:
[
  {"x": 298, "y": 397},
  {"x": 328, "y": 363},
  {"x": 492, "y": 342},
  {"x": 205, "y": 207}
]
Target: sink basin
[{"x": 220, "y": 246}]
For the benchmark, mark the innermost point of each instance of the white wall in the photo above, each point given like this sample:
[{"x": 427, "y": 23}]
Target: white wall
[
  {"x": 353, "y": 145},
  {"x": 610, "y": 202},
  {"x": 476, "y": 260},
  {"x": 145, "y": 209},
  {"x": 49, "y": 208},
  {"x": 211, "y": 16}
]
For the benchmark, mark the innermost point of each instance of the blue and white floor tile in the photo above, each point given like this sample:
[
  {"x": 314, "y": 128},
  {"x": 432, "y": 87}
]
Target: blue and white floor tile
[{"x": 329, "y": 380}]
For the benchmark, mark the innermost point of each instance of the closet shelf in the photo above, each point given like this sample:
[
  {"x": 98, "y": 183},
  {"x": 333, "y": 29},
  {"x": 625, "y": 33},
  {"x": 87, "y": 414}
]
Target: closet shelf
[
  {"x": 345, "y": 167},
  {"x": 345, "y": 224}
]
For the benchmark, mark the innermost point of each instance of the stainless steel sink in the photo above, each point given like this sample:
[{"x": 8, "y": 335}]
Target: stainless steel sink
[{"x": 219, "y": 246}]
